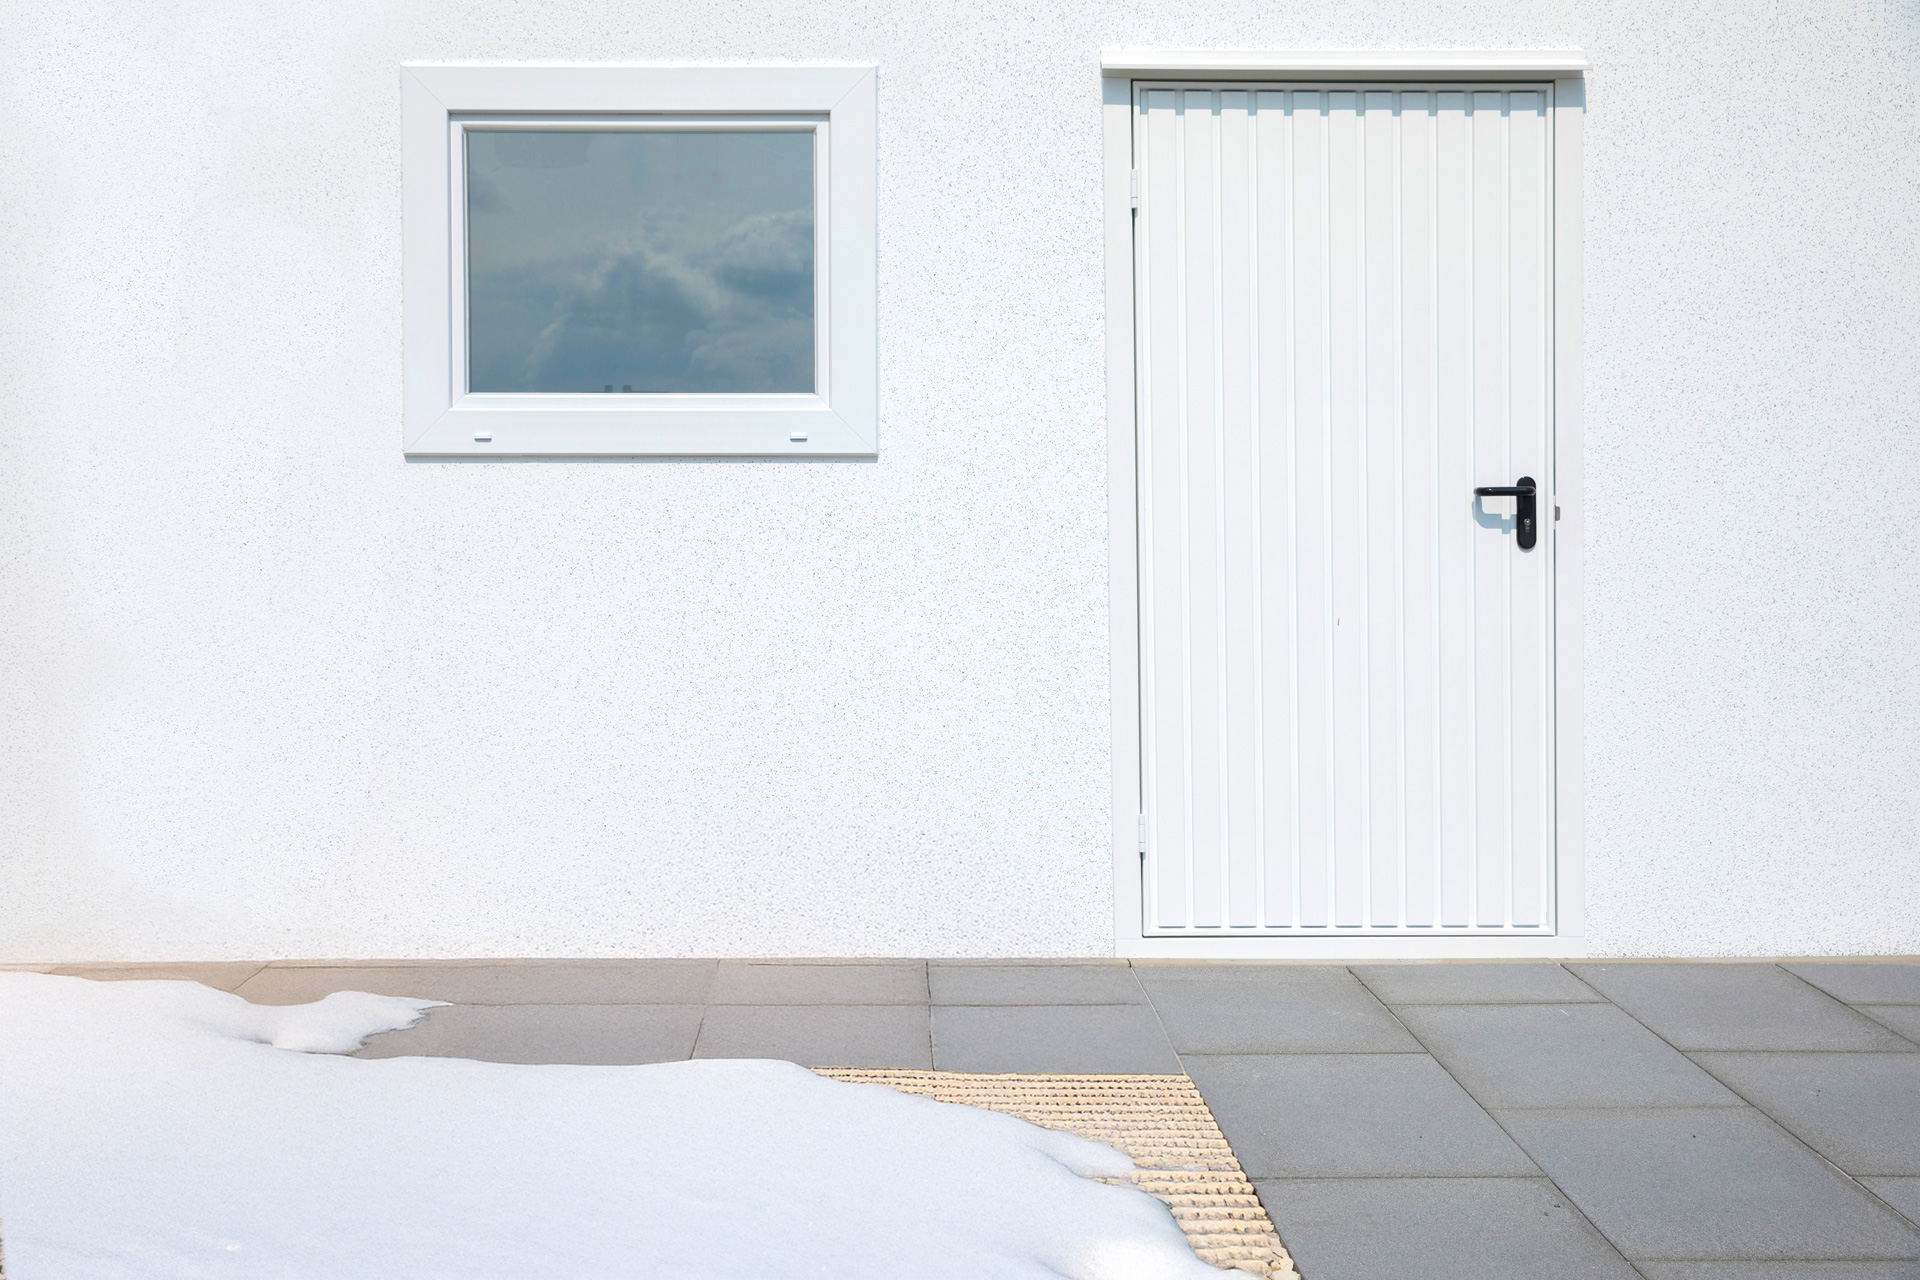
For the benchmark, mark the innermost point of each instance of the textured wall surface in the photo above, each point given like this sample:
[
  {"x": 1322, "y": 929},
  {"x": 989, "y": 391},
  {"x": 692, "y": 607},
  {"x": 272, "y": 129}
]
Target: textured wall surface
[{"x": 269, "y": 690}]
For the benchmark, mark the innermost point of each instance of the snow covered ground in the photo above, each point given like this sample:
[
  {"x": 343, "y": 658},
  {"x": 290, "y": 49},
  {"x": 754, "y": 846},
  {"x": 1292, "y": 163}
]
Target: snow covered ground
[{"x": 165, "y": 1129}]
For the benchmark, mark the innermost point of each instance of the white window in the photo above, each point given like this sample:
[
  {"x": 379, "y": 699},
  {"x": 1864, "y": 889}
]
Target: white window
[{"x": 639, "y": 260}]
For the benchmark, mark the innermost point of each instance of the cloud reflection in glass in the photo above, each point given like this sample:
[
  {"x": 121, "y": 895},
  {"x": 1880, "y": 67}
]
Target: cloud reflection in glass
[{"x": 650, "y": 260}]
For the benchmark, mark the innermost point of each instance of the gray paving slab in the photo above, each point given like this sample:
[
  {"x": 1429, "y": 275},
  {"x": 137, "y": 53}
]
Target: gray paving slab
[
  {"x": 1780, "y": 1270},
  {"x": 798, "y": 982},
  {"x": 1735, "y": 1006},
  {"x": 1251, "y": 975},
  {"x": 1708, "y": 1183},
  {"x": 886, "y": 1035},
  {"x": 1863, "y": 983},
  {"x": 1034, "y": 962},
  {"x": 226, "y": 975},
  {"x": 1902, "y": 1193},
  {"x": 1033, "y": 984},
  {"x": 1351, "y": 1115},
  {"x": 519, "y": 982},
  {"x": 1505, "y": 983},
  {"x": 1560, "y": 1055},
  {"x": 582, "y": 1034},
  {"x": 1277, "y": 1010},
  {"x": 1859, "y": 1110},
  {"x": 1437, "y": 1229},
  {"x": 1901, "y": 1019},
  {"x": 1084, "y": 1038}
]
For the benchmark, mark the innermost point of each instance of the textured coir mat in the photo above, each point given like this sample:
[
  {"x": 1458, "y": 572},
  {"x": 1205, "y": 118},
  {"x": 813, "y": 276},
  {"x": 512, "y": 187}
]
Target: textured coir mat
[{"x": 1179, "y": 1153}]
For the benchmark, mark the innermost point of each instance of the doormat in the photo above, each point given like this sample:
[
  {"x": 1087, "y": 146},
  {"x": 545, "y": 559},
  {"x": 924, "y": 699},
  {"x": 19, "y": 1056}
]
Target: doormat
[{"x": 1180, "y": 1156}]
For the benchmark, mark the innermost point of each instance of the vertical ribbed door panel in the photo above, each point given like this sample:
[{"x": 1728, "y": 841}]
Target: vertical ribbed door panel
[{"x": 1343, "y": 307}]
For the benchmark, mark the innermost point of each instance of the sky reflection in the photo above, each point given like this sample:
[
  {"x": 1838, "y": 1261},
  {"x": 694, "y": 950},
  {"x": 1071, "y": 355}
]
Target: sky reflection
[{"x": 645, "y": 260}]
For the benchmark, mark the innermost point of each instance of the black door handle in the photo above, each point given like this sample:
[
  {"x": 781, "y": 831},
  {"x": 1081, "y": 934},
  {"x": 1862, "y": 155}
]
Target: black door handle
[{"x": 1526, "y": 529}]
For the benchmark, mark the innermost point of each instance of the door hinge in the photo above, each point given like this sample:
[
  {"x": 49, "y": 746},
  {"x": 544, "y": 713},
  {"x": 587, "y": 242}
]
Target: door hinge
[
  {"x": 1143, "y": 835},
  {"x": 1133, "y": 186}
]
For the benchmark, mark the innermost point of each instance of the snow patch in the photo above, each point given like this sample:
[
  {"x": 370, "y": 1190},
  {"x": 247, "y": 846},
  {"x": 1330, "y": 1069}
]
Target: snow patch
[
  {"x": 340, "y": 1023},
  {"x": 165, "y": 1129}
]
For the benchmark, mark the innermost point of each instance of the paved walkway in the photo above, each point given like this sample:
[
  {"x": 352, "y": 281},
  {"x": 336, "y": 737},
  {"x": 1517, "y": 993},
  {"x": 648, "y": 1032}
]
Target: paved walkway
[{"x": 1674, "y": 1121}]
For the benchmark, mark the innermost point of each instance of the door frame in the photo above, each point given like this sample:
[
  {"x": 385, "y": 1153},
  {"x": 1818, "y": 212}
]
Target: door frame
[{"x": 1565, "y": 68}]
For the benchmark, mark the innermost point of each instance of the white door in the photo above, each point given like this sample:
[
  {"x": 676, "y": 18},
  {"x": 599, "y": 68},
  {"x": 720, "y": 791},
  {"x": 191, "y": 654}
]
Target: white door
[{"x": 1343, "y": 319}]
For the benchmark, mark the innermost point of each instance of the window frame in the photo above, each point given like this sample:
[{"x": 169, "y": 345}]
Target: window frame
[{"x": 441, "y": 101}]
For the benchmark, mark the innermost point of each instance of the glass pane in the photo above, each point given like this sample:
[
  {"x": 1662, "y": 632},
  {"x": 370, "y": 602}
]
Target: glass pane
[{"x": 640, "y": 260}]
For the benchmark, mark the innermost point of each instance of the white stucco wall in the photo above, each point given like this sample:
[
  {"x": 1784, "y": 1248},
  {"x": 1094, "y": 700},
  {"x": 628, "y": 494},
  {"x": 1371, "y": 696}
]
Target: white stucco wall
[{"x": 270, "y": 690}]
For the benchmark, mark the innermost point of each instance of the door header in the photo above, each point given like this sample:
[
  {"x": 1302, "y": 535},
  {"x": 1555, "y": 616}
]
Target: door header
[{"x": 1463, "y": 63}]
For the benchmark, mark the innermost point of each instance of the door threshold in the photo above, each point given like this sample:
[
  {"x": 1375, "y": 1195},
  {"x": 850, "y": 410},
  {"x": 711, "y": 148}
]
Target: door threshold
[{"x": 1374, "y": 947}]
